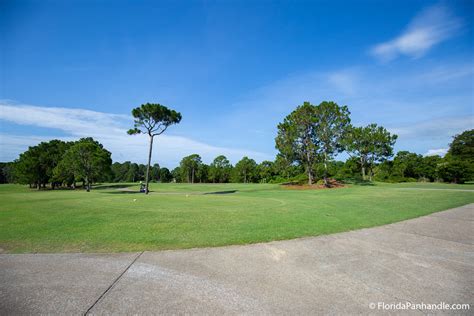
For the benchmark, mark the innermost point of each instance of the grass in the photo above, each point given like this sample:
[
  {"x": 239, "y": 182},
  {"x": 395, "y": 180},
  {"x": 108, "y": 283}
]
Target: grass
[{"x": 173, "y": 216}]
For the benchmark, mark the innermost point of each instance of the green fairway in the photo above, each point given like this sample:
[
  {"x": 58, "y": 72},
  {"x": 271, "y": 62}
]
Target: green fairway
[{"x": 115, "y": 218}]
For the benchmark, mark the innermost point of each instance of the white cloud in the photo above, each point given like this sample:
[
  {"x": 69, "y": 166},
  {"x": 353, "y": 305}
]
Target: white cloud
[
  {"x": 437, "y": 152},
  {"x": 78, "y": 122},
  {"x": 435, "y": 128},
  {"x": 344, "y": 81},
  {"x": 445, "y": 73},
  {"x": 256, "y": 115},
  {"x": 425, "y": 105},
  {"x": 432, "y": 26},
  {"x": 109, "y": 129},
  {"x": 12, "y": 145},
  {"x": 278, "y": 98}
]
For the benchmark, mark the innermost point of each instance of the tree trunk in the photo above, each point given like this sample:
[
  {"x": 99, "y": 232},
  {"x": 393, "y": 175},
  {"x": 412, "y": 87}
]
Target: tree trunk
[
  {"x": 88, "y": 186},
  {"x": 245, "y": 176},
  {"x": 148, "y": 166},
  {"x": 39, "y": 186},
  {"x": 309, "y": 165},
  {"x": 326, "y": 184},
  {"x": 362, "y": 165},
  {"x": 325, "y": 177},
  {"x": 192, "y": 175}
]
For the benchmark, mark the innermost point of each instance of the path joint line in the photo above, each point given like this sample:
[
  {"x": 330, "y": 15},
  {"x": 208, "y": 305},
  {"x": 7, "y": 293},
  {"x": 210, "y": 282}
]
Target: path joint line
[{"x": 113, "y": 283}]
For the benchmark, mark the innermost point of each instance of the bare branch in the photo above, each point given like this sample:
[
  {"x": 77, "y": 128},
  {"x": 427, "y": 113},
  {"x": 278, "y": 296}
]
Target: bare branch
[{"x": 161, "y": 132}]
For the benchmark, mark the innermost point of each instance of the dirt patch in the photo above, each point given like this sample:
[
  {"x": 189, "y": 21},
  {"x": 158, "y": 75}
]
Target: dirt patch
[{"x": 333, "y": 184}]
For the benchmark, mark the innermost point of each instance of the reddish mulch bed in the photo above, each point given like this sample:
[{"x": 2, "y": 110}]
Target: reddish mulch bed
[{"x": 333, "y": 184}]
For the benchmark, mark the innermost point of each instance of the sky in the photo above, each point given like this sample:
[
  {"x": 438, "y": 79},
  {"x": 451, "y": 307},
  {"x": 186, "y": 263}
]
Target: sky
[{"x": 234, "y": 69}]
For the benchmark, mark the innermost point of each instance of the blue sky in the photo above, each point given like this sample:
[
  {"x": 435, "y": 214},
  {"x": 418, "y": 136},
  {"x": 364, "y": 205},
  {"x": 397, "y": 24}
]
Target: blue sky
[{"x": 234, "y": 69}]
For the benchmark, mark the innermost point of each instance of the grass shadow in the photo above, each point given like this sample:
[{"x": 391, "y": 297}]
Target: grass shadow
[
  {"x": 113, "y": 186},
  {"x": 360, "y": 182},
  {"x": 221, "y": 192},
  {"x": 124, "y": 192}
]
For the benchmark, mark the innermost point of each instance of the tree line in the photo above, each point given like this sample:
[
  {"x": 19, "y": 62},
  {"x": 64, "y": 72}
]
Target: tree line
[
  {"x": 457, "y": 166},
  {"x": 59, "y": 163},
  {"x": 308, "y": 140}
]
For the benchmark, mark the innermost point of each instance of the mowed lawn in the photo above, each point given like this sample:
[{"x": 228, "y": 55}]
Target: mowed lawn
[{"x": 111, "y": 219}]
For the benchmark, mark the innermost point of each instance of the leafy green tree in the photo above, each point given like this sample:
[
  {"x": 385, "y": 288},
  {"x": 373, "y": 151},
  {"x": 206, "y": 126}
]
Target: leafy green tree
[
  {"x": 462, "y": 146},
  {"x": 6, "y": 172},
  {"x": 133, "y": 173},
  {"x": 36, "y": 165},
  {"x": 202, "y": 173},
  {"x": 176, "y": 174},
  {"x": 125, "y": 172},
  {"x": 52, "y": 153},
  {"x": 220, "y": 169},
  {"x": 245, "y": 170},
  {"x": 429, "y": 167},
  {"x": 142, "y": 169},
  {"x": 63, "y": 174},
  {"x": 28, "y": 169},
  {"x": 120, "y": 171},
  {"x": 384, "y": 172},
  {"x": 284, "y": 167},
  {"x": 266, "y": 171},
  {"x": 455, "y": 170},
  {"x": 332, "y": 122},
  {"x": 313, "y": 133},
  {"x": 329, "y": 169},
  {"x": 165, "y": 175},
  {"x": 297, "y": 138},
  {"x": 155, "y": 172},
  {"x": 407, "y": 165},
  {"x": 350, "y": 170},
  {"x": 87, "y": 159},
  {"x": 458, "y": 165},
  {"x": 116, "y": 169},
  {"x": 152, "y": 119},
  {"x": 370, "y": 144},
  {"x": 189, "y": 166}
]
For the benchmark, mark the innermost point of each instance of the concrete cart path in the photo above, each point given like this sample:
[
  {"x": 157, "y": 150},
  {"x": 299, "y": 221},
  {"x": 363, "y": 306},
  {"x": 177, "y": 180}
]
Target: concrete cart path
[{"x": 425, "y": 260}]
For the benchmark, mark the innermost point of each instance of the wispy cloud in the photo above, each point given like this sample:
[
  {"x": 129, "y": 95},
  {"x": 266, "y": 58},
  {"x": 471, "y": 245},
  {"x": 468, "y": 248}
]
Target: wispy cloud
[
  {"x": 436, "y": 152},
  {"x": 432, "y": 26},
  {"x": 345, "y": 81},
  {"x": 435, "y": 128},
  {"x": 277, "y": 98},
  {"x": 445, "y": 73},
  {"x": 256, "y": 115},
  {"x": 77, "y": 122},
  {"x": 108, "y": 128},
  {"x": 425, "y": 104}
]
